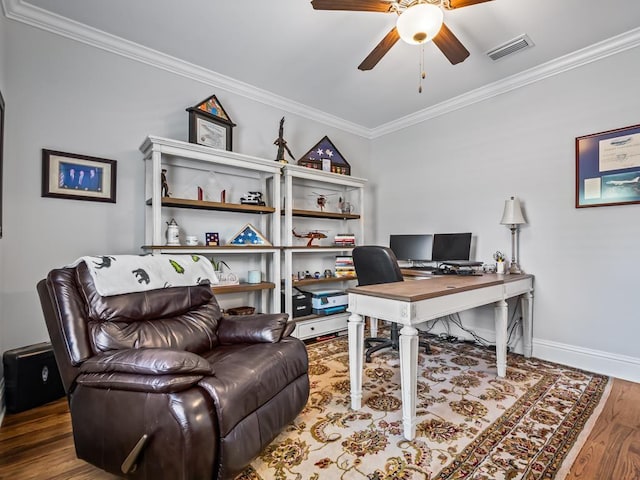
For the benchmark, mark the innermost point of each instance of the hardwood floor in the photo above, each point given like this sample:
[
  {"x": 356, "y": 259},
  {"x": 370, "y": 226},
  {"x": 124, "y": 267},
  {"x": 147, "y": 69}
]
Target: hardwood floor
[
  {"x": 38, "y": 444},
  {"x": 612, "y": 451}
]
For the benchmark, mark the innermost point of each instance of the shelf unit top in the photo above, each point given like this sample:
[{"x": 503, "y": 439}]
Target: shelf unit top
[
  {"x": 193, "y": 151},
  {"x": 298, "y": 171}
]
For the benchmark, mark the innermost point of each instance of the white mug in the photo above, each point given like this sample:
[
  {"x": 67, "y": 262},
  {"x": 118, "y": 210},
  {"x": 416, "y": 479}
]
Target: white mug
[{"x": 191, "y": 240}]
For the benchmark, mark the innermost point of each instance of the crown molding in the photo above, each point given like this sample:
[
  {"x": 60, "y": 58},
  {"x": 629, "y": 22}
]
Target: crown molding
[
  {"x": 28, "y": 14},
  {"x": 592, "y": 53}
]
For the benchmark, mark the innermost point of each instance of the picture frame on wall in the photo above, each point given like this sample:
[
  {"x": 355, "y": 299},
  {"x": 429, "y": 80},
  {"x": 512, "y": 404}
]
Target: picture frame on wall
[
  {"x": 608, "y": 168},
  {"x": 78, "y": 177},
  {"x": 1, "y": 155},
  {"x": 210, "y": 125}
]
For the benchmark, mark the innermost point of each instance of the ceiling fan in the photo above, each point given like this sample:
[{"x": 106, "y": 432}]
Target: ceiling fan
[{"x": 419, "y": 21}]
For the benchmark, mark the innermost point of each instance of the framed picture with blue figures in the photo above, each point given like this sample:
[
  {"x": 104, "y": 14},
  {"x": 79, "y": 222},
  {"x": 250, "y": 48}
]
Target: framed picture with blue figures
[
  {"x": 248, "y": 235},
  {"x": 78, "y": 177}
]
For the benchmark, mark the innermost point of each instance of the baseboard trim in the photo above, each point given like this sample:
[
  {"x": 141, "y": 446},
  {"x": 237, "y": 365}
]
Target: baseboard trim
[
  {"x": 596, "y": 361},
  {"x": 605, "y": 363}
]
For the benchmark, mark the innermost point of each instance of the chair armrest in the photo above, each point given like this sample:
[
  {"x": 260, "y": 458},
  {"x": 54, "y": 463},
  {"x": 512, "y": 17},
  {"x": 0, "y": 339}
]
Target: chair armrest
[
  {"x": 148, "y": 361},
  {"x": 264, "y": 328},
  {"x": 134, "y": 382}
]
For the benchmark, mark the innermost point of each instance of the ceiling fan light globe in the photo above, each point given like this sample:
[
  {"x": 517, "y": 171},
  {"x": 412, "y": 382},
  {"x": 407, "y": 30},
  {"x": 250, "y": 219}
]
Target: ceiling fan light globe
[{"x": 420, "y": 23}]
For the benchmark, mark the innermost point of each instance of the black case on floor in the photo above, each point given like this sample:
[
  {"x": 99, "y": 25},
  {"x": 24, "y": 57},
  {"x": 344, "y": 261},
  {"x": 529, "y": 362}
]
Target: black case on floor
[{"x": 31, "y": 377}]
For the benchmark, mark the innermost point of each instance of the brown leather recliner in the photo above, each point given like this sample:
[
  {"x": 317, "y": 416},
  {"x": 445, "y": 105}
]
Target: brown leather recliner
[{"x": 161, "y": 386}]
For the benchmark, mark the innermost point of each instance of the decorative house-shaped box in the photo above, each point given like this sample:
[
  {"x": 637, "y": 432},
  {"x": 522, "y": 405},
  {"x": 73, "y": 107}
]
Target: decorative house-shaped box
[{"x": 325, "y": 156}]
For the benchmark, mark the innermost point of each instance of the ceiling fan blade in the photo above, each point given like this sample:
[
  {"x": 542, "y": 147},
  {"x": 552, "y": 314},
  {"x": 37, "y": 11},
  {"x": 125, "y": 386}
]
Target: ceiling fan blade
[
  {"x": 449, "y": 44},
  {"x": 352, "y": 5},
  {"x": 381, "y": 49},
  {"x": 452, "y": 4}
]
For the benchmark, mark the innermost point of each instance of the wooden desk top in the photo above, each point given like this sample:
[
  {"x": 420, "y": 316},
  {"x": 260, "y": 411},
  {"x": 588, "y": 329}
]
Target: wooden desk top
[{"x": 434, "y": 286}]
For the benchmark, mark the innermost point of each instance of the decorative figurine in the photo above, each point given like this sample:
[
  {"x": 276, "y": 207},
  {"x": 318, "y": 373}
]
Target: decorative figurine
[
  {"x": 173, "y": 233},
  {"x": 282, "y": 144},
  {"x": 312, "y": 235},
  {"x": 344, "y": 206},
  {"x": 165, "y": 185}
]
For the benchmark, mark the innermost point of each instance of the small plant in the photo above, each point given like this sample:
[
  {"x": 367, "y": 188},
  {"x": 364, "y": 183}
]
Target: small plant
[
  {"x": 498, "y": 256},
  {"x": 217, "y": 264}
]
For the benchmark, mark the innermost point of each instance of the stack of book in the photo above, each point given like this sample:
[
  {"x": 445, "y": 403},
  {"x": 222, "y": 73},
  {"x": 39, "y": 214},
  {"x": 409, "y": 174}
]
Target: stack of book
[
  {"x": 344, "y": 267},
  {"x": 345, "y": 240}
]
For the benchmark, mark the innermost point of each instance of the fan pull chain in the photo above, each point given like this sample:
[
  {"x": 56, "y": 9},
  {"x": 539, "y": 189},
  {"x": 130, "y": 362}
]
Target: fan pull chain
[{"x": 422, "y": 72}]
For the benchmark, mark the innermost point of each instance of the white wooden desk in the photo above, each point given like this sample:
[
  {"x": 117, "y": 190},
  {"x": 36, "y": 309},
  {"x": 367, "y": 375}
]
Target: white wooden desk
[{"x": 413, "y": 302}]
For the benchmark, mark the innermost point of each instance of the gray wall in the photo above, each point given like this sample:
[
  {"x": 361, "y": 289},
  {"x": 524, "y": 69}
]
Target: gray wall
[
  {"x": 456, "y": 171},
  {"x": 451, "y": 173},
  {"x": 80, "y": 99}
]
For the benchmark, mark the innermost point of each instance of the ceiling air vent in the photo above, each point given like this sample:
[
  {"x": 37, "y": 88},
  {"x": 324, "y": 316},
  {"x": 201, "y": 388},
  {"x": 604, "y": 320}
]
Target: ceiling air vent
[{"x": 512, "y": 46}]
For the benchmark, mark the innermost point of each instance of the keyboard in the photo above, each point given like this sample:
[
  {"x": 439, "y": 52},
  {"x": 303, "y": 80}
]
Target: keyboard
[{"x": 424, "y": 269}]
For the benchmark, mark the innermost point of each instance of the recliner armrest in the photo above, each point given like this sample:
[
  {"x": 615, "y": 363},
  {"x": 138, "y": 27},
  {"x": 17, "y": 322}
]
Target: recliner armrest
[
  {"x": 148, "y": 361},
  {"x": 134, "y": 382},
  {"x": 264, "y": 328}
]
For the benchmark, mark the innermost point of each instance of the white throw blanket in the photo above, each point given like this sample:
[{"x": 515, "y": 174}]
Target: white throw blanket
[{"x": 117, "y": 274}]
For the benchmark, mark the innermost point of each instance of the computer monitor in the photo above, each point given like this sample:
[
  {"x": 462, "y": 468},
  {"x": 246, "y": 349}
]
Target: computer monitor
[
  {"x": 411, "y": 248},
  {"x": 451, "y": 246}
]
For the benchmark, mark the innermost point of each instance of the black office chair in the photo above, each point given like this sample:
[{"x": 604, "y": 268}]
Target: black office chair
[{"x": 374, "y": 265}]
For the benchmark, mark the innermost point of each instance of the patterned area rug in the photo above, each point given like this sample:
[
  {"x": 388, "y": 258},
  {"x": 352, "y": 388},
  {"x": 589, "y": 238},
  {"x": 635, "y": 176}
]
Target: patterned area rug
[{"x": 471, "y": 424}]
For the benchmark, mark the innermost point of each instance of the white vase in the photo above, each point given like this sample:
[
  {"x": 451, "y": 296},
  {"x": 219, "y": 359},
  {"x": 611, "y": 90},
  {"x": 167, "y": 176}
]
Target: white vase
[{"x": 500, "y": 267}]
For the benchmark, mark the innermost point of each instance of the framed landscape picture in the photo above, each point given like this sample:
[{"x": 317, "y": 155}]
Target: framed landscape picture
[{"x": 78, "y": 177}]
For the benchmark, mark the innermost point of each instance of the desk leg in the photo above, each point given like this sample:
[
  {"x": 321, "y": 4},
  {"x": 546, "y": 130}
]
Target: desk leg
[
  {"x": 500, "y": 314},
  {"x": 526, "y": 302},
  {"x": 409, "y": 379},
  {"x": 356, "y": 353}
]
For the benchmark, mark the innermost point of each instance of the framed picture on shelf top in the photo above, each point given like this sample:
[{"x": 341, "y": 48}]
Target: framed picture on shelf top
[
  {"x": 248, "y": 235},
  {"x": 608, "y": 168},
  {"x": 78, "y": 177},
  {"x": 210, "y": 125}
]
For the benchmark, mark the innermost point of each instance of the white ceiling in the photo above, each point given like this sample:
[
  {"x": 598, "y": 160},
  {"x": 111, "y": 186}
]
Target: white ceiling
[{"x": 286, "y": 48}]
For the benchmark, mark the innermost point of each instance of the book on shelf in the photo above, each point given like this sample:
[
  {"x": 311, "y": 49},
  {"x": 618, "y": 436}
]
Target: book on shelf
[
  {"x": 344, "y": 240},
  {"x": 344, "y": 266}
]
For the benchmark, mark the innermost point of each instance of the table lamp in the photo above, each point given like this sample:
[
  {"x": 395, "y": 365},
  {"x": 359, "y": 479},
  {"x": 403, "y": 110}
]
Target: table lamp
[{"x": 512, "y": 217}]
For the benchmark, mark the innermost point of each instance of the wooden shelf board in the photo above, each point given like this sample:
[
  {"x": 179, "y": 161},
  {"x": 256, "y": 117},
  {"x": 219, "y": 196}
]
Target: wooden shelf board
[
  {"x": 312, "y": 281},
  {"x": 192, "y": 248},
  {"x": 204, "y": 205},
  {"x": 317, "y": 214},
  {"x": 242, "y": 287}
]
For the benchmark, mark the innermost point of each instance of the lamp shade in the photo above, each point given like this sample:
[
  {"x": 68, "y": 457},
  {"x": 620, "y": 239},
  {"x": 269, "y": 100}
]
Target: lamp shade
[
  {"x": 512, "y": 214},
  {"x": 420, "y": 23}
]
